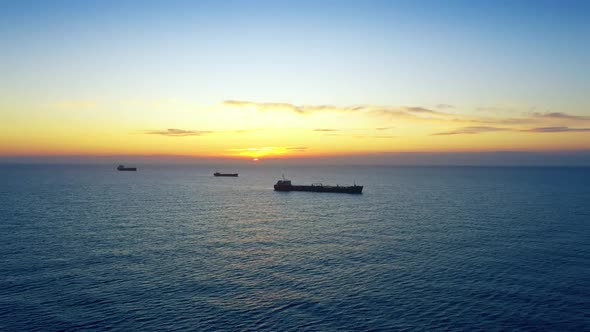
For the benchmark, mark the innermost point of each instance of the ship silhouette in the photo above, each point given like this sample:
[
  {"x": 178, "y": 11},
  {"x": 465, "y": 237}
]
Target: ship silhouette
[
  {"x": 225, "y": 174},
  {"x": 286, "y": 185},
  {"x": 123, "y": 168}
]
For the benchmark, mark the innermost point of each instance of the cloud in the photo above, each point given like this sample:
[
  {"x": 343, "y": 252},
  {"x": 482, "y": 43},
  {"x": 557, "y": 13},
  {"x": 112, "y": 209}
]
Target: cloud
[
  {"x": 560, "y": 115},
  {"x": 556, "y": 130},
  {"x": 472, "y": 130},
  {"x": 502, "y": 121},
  {"x": 263, "y": 106},
  {"x": 298, "y": 148},
  {"x": 384, "y": 128},
  {"x": 185, "y": 133},
  {"x": 300, "y": 109},
  {"x": 178, "y": 132},
  {"x": 407, "y": 112},
  {"x": 483, "y": 129},
  {"x": 480, "y": 124},
  {"x": 422, "y": 110},
  {"x": 413, "y": 111}
]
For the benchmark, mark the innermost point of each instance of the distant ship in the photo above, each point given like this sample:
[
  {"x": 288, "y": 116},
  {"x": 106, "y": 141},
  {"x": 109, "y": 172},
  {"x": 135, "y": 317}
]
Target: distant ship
[
  {"x": 123, "y": 168},
  {"x": 225, "y": 174},
  {"x": 285, "y": 185}
]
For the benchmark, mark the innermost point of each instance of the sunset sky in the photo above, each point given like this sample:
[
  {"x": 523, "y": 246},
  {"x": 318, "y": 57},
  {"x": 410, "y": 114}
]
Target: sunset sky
[{"x": 293, "y": 79}]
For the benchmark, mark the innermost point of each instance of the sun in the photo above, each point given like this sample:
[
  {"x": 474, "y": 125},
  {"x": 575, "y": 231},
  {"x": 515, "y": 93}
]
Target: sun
[{"x": 255, "y": 153}]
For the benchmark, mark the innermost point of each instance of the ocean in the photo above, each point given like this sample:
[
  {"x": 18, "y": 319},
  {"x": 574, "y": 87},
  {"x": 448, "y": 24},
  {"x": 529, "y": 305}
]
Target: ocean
[{"x": 172, "y": 248}]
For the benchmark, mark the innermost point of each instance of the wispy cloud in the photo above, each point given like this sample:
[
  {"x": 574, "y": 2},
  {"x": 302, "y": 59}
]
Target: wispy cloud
[
  {"x": 402, "y": 112},
  {"x": 301, "y": 109},
  {"x": 178, "y": 132},
  {"x": 479, "y": 130},
  {"x": 560, "y": 115},
  {"x": 307, "y": 109},
  {"x": 421, "y": 110},
  {"x": 526, "y": 119},
  {"x": 414, "y": 112},
  {"x": 174, "y": 132},
  {"x": 479, "y": 124},
  {"x": 496, "y": 121},
  {"x": 471, "y": 131},
  {"x": 341, "y": 132},
  {"x": 556, "y": 130},
  {"x": 326, "y": 129}
]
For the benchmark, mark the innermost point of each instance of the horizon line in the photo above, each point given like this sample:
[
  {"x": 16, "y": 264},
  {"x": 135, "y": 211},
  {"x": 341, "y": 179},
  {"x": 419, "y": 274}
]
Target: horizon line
[{"x": 456, "y": 158}]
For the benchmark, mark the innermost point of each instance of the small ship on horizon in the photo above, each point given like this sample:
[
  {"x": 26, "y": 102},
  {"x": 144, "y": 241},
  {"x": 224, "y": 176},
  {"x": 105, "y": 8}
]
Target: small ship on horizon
[
  {"x": 123, "y": 168},
  {"x": 285, "y": 185},
  {"x": 225, "y": 174}
]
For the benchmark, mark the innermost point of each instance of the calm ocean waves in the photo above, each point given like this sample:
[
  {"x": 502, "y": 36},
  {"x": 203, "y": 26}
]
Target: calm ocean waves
[{"x": 174, "y": 248}]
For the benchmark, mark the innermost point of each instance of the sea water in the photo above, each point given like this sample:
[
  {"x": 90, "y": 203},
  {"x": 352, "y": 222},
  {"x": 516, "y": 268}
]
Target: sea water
[{"x": 174, "y": 248}]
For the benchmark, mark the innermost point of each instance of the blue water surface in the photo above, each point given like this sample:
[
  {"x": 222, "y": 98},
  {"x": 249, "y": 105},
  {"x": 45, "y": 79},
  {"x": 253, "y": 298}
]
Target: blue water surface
[{"x": 174, "y": 248}]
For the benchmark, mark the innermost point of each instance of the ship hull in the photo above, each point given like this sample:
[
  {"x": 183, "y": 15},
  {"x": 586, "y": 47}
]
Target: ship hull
[
  {"x": 321, "y": 189},
  {"x": 228, "y": 175},
  {"x": 130, "y": 169}
]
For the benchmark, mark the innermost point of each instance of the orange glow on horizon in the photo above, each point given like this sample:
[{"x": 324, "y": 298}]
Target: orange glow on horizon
[{"x": 250, "y": 133}]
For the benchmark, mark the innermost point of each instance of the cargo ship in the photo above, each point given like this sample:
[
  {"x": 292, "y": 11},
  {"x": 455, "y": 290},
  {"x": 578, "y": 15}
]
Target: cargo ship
[
  {"x": 285, "y": 185},
  {"x": 123, "y": 168},
  {"x": 225, "y": 174}
]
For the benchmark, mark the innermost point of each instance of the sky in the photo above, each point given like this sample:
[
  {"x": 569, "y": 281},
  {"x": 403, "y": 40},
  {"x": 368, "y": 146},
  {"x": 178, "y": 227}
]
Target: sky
[{"x": 307, "y": 80}]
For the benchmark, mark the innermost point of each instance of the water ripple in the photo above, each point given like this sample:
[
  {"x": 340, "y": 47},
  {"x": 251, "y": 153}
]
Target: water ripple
[{"x": 86, "y": 248}]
